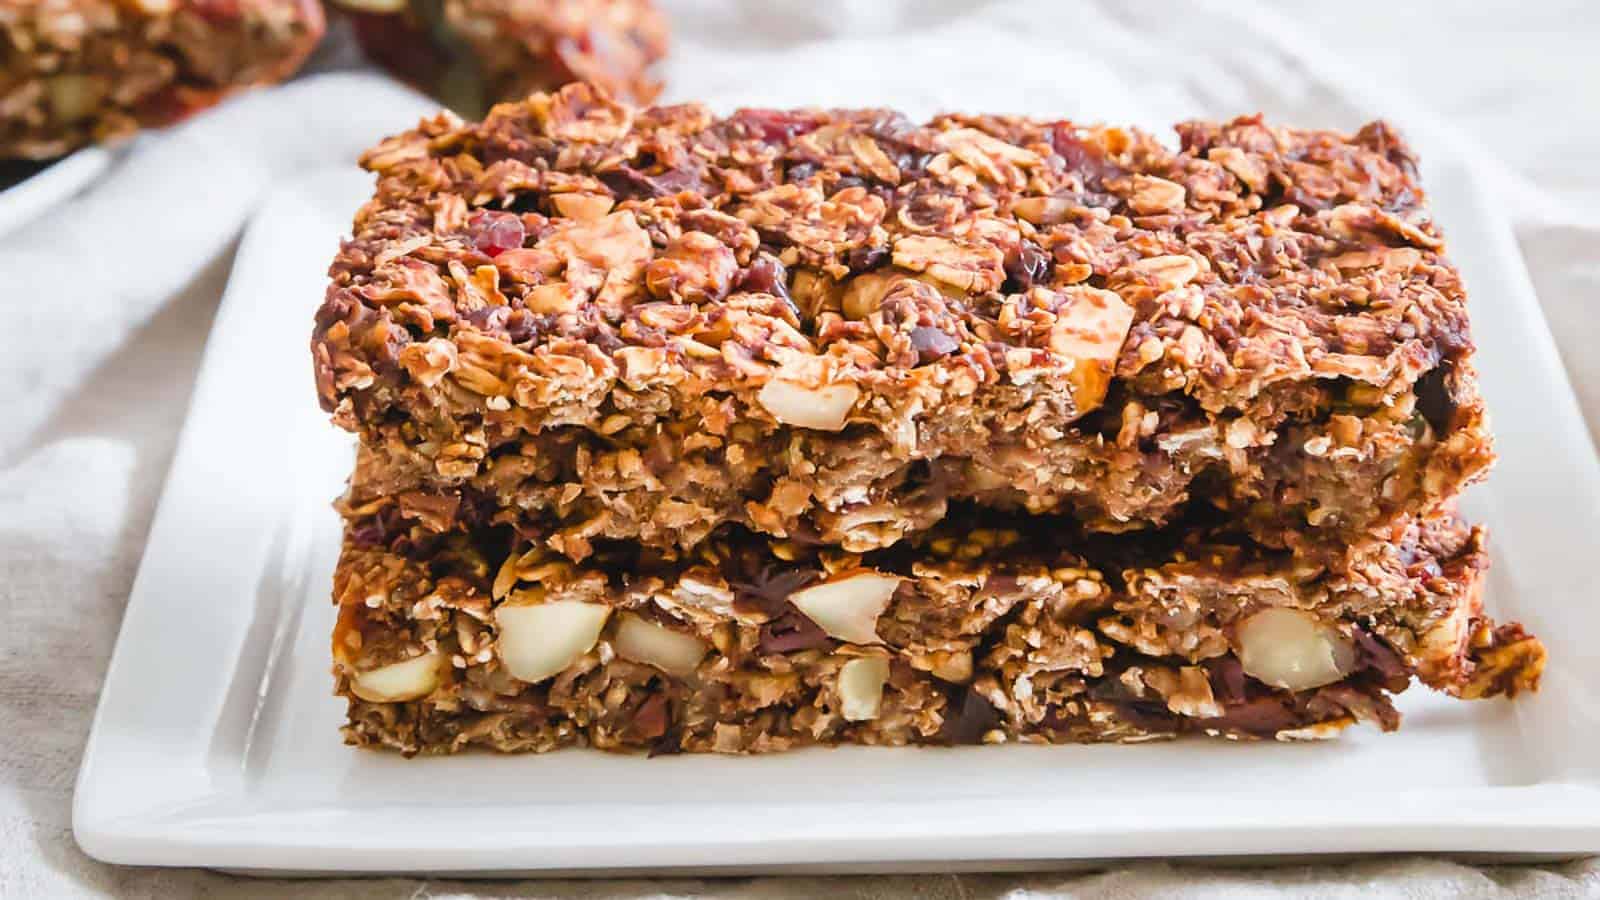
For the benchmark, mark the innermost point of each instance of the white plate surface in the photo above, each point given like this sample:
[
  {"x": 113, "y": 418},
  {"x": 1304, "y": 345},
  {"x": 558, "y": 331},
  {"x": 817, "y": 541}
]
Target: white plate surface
[
  {"x": 216, "y": 741},
  {"x": 22, "y": 201}
]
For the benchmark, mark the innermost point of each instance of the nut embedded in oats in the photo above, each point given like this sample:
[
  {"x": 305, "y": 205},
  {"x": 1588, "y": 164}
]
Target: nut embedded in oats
[
  {"x": 848, "y": 607},
  {"x": 1289, "y": 648},
  {"x": 861, "y": 683},
  {"x": 538, "y": 640},
  {"x": 400, "y": 681},
  {"x": 643, "y": 641},
  {"x": 825, "y": 407}
]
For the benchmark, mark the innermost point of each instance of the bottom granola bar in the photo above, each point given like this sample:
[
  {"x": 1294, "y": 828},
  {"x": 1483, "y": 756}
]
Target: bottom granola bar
[{"x": 975, "y": 631}]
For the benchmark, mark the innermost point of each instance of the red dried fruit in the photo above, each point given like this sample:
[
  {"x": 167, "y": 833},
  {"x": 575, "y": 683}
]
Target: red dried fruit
[
  {"x": 217, "y": 11},
  {"x": 493, "y": 233},
  {"x": 772, "y": 125},
  {"x": 1025, "y": 266},
  {"x": 932, "y": 344}
]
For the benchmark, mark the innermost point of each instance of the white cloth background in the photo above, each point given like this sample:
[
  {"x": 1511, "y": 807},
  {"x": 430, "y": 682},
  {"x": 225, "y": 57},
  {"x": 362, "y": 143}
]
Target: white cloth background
[{"x": 109, "y": 298}]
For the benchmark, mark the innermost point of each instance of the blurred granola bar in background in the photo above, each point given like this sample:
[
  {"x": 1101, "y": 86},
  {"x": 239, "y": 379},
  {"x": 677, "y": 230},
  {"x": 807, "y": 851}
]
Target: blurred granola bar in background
[
  {"x": 473, "y": 53},
  {"x": 74, "y": 72}
]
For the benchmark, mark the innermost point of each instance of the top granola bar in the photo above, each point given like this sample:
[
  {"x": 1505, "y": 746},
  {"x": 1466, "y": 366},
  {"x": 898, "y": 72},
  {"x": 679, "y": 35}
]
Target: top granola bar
[{"x": 834, "y": 308}]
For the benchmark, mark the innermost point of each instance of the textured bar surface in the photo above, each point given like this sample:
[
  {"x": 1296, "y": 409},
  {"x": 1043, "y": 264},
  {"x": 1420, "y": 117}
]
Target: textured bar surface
[
  {"x": 640, "y": 324},
  {"x": 74, "y": 72},
  {"x": 978, "y": 630}
]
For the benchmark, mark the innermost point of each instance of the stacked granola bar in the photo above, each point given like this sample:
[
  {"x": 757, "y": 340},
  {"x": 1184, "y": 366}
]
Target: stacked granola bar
[
  {"x": 682, "y": 432},
  {"x": 74, "y": 72}
]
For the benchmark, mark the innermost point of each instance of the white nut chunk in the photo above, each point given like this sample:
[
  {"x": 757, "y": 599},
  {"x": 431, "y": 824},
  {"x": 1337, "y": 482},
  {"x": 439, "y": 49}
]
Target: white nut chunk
[
  {"x": 538, "y": 640},
  {"x": 643, "y": 641},
  {"x": 861, "y": 687},
  {"x": 401, "y": 681},
  {"x": 1089, "y": 332},
  {"x": 1290, "y": 649},
  {"x": 824, "y": 408},
  {"x": 847, "y": 608}
]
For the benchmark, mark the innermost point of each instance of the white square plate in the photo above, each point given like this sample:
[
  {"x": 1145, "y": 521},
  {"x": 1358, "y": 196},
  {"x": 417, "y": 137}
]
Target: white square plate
[{"x": 216, "y": 742}]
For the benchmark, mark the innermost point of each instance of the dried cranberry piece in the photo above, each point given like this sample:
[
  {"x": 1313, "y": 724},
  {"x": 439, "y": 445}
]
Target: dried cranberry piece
[
  {"x": 774, "y": 126},
  {"x": 520, "y": 326},
  {"x": 1025, "y": 266},
  {"x": 926, "y": 211},
  {"x": 1376, "y": 655},
  {"x": 1434, "y": 400},
  {"x": 368, "y": 535},
  {"x": 629, "y": 183},
  {"x": 493, "y": 233},
  {"x": 217, "y": 11},
  {"x": 650, "y": 719},
  {"x": 802, "y": 171},
  {"x": 1080, "y": 157},
  {"x": 932, "y": 344},
  {"x": 384, "y": 528},
  {"x": 487, "y": 319},
  {"x": 766, "y": 275},
  {"x": 767, "y": 589},
  {"x": 862, "y": 259}
]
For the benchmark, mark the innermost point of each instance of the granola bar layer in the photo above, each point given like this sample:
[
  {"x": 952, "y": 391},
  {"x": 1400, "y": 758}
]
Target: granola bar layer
[
  {"x": 984, "y": 631},
  {"x": 641, "y": 323},
  {"x": 73, "y": 72},
  {"x": 473, "y": 53}
]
